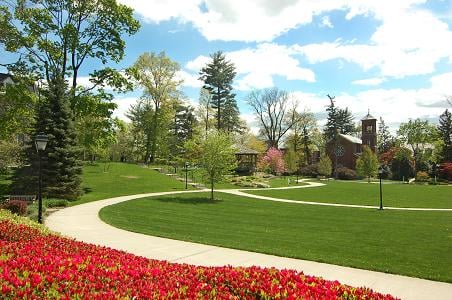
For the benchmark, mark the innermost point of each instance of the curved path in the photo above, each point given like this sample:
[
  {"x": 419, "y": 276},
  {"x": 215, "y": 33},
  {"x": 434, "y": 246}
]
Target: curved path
[{"x": 83, "y": 223}]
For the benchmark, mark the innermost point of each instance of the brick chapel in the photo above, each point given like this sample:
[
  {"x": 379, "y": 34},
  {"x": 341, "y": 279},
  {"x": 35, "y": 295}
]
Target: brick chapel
[{"x": 345, "y": 151}]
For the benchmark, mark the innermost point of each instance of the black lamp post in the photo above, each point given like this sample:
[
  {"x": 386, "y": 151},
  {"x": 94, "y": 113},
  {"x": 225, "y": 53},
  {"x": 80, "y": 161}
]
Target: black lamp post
[
  {"x": 40, "y": 143},
  {"x": 380, "y": 173},
  {"x": 186, "y": 175}
]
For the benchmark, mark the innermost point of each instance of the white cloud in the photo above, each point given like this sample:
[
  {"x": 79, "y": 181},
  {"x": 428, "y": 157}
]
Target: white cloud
[
  {"x": 326, "y": 22},
  {"x": 256, "y": 67},
  {"x": 189, "y": 79},
  {"x": 369, "y": 81},
  {"x": 124, "y": 104}
]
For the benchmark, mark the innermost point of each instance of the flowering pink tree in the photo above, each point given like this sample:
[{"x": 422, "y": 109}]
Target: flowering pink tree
[{"x": 272, "y": 161}]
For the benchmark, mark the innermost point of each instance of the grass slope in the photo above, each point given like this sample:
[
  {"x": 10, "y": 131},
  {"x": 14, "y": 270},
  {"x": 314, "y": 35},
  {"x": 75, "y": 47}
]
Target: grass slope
[
  {"x": 416, "y": 244},
  {"x": 123, "y": 179},
  {"x": 396, "y": 195}
]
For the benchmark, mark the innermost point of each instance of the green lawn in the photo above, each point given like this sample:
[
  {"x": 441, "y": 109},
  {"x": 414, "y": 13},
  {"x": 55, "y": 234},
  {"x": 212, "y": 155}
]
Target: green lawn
[
  {"x": 396, "y": 195},
  {"x": 411, "y": 243},
  {"x": 123, "y": 179}
]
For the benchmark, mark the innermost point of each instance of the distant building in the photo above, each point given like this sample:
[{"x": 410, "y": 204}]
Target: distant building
[{"x": 346, "y": 149}]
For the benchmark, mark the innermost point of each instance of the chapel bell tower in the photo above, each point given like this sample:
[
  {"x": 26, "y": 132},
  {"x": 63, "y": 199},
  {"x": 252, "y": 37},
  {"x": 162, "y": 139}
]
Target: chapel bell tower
[{"x": 369, "y": 132}]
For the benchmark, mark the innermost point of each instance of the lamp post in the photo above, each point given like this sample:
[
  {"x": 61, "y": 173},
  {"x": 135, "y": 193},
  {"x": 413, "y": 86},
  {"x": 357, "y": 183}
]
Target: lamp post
[
  {"x": 380, "y": 173},
  {"x": 186, "y": 175},
  {"x": 40, "y": 143}
]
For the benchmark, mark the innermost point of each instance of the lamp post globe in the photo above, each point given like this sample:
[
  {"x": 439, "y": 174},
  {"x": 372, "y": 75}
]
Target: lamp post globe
[{"x": 40, "y": 144}]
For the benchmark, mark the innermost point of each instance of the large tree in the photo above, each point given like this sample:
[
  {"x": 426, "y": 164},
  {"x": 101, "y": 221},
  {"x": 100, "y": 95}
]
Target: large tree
[
  {"x": 218, "y": 76},
  {"x": 53, "y": 40},
  {"x": 418, "y": 134},
  {"x": 338, "y": 121},
  {"x": 445, "y": 132},
  {"x": 157, "y": 75},
  {"x": 276, "y": 118},
  {"x": 303, "y": 134}
]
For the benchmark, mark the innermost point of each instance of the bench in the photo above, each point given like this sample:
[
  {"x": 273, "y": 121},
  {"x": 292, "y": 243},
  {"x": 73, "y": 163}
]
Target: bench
[{"x": 26, "y": 198}]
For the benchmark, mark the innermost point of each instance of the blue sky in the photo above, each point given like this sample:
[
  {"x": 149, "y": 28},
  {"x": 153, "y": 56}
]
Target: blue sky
[{"x": 392, "y": 57}]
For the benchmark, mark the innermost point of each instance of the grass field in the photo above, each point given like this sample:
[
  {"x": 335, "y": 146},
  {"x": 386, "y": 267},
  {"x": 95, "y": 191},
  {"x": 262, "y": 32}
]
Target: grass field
[
  {"x": 411, "y": 243},
  {"x": 123, "y": 179},
  {"x": 396, "y": 195}
]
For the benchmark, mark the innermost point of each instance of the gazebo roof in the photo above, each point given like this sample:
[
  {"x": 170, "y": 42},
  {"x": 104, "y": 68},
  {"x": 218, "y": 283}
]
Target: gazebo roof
[{"x": 244, "y": 150}]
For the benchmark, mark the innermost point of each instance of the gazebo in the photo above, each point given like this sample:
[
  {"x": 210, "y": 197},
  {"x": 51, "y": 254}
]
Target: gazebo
[{"x": 246, "y": 159}]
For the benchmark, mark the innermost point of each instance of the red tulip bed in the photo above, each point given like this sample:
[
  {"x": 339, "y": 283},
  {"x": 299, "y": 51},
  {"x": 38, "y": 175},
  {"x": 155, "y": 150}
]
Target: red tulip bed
[{"x": 36, "y": 264}]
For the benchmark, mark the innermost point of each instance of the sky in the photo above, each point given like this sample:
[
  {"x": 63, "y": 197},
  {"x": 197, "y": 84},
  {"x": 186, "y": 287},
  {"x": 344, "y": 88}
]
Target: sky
[{"x": 393, "y": 58}]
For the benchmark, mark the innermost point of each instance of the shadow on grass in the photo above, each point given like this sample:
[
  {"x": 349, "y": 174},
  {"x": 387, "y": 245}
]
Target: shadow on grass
[
  {"x": 192, "y": 201},
  {"x": 87, "y": 190}
]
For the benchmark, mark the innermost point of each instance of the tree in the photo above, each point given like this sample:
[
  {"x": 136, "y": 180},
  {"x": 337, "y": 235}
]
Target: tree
[
  {"x": 182, "y": 129},
  {"x": 367, "y": 164},
  {"x": 445, "y": 132},
  {"x": 385, "y": 140},
  {"x": 402, "y": 164},
  {"x": 156, "y": 74},
  {"x": 338, "y": 121},
  {"x": 291, "y": 161},
  {"x": 217, "y": 157},
  {"x": 271, "y": 109},
  {"x": 325, "y": 166},
  {"x": 56, "y": 37},
  {"x": 61, "y": 168},
  {"x": 272, "y": 161},
  {"x": 205, "y": 110},
  {"x": 418, "y": 134},
  {"x": 218, "y": 76},
  {"x": 303, "y": 135}
]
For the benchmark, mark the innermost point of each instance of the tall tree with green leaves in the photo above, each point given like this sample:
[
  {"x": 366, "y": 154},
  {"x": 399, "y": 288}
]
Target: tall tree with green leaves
[
  {"x": 418, "y": 134},
  {"x": 445, "y": 132},
  {"x": 156, "y": 74},
  {"x": 367, "y": 163},
  {"x": 218, "y": 158},
  {"x": 218, "y": 76},
  {"x": 325, "y": 165}
]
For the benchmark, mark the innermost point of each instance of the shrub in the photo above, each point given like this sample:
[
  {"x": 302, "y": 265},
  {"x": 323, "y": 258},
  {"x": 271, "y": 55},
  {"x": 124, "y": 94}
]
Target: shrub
[
  {"x": 445, "y": 171},
  {"x": 56, "y": 203},
  {"x": 272, "y": 162},
  {"x": 346, "y": 173},
  {"x": 310, "y": 170},
  {"x": 422, "y": 176},
  {"x": 16, "y": 207}
]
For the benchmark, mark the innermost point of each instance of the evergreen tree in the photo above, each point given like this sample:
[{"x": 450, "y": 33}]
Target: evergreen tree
[
  {"x": 385, "y": 140},
  {"x": 338, "y": 121},
  {"x": 445, "y": 132},
  {"x": 182, "y": 129},
  {"x": 218, "y": 76},
  {"x": 61, "y": 168}
]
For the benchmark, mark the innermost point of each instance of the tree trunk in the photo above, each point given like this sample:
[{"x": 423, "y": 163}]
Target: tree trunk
[{"x": 211, "y": 189}]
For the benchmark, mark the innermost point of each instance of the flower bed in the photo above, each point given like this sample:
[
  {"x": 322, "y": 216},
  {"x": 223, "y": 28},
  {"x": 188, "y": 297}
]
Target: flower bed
[{"x": 36, "y": 264}]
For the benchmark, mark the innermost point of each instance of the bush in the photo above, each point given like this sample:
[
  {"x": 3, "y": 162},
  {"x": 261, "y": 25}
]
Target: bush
[
  {"x": 346, "y": 173},
  {"x": 445, "y": 171},
  {"x": 56, "y": 203},
  {"x": 309, "y": 170},
  {"x": 17, "y": 207},
  {"x": 422, "y": 176}
]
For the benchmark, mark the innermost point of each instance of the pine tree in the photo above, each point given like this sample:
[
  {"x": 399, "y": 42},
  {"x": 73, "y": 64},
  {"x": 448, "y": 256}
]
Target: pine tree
[
  {"x": 61, "y": 167},
  {"x": 218, "y": 76},
  {"x": 445, "y": 131},
  {"x": 338, "y": 121},
  {"x": 385, "y": 139}
]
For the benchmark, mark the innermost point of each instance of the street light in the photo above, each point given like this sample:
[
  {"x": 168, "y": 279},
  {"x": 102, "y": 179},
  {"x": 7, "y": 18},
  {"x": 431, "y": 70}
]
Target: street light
[
  {"x": 186, "y": 175},
  {"x": 380, "y": 173},
  {"x": 40, "y": 143}
]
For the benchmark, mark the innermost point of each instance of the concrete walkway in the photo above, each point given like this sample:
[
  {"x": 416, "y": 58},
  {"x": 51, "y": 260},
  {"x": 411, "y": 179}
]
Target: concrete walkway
[{"x": 83, "y": 223}]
